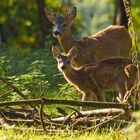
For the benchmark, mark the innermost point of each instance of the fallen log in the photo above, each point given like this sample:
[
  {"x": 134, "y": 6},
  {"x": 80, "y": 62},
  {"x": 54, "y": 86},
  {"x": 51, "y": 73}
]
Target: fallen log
[
  {"x": 66, "y": 102},
  {"x": 91, "y": 113},
  {"x": 13, "y": 114}
]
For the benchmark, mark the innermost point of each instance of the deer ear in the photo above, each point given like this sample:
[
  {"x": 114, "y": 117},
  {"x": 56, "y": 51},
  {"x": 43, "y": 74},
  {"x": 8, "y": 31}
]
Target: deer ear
[
  {"x": 72, "y": 52},
  {"x": 71, "y": 14},
  {"x": 50, "y": 15},
  {"x": 55, "y": 52}
]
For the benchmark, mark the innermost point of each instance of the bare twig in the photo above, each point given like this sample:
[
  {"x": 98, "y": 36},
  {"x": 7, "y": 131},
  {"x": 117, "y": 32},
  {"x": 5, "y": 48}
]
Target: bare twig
[
  {"x": 92, "y": 113},
  {"x": 133, "y": 31},
  {"x": 13, "y": 114},
  {"x": 106, "y": 121},
  {"x": 41, "y": 116},
  {"x": 5, "y": 94},
  {"x": 13, "y": 87}
]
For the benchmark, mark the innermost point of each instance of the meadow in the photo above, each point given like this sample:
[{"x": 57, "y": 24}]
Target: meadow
[{"x": 26, "y": 61}]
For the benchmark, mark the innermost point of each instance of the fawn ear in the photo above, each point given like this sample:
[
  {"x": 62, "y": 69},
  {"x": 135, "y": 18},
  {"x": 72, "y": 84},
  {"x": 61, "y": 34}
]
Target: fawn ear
[
  {"x": 70, "y": 15},
  {"x": 55, "y": 52},
  {"x": 50, "y": 15},
  {"x": 72, "y": 52}
]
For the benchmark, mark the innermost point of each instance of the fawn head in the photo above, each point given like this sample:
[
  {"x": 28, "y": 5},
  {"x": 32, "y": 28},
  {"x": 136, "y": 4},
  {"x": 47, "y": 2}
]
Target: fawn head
[
  {"x": 61, "y": 23},
  {"x": 64, "y": 61}
]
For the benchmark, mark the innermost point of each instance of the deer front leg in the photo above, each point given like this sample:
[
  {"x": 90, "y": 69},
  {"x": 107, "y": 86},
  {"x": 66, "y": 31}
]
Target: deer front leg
[{"x": 88, "y": 96}]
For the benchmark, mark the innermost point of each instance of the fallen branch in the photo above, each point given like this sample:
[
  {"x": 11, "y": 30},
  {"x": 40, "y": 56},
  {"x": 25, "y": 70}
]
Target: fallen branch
[
  {"x": 66, "y": 102},
  {"x": 13, "y": 87},
  {"x": 82, "y": 119},
  {"x": 91, "y": 113},
  {"x": 5, "y": 94},
  {"x": 41, "y": 115},
  {"x": 13, "y": 114},
  {"x": 106, "y": 121}
]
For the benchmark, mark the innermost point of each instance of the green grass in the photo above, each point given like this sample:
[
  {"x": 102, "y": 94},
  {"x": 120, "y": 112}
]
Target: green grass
[
  {"x": 35, "y": 74},
  {"x": 9, "y": 134}
]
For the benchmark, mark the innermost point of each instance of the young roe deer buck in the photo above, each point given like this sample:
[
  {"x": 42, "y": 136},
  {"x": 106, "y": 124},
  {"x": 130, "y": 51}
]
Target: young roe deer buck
[
  {"x": 110, "y": 42},
  {"x": 93, "y": 79}
]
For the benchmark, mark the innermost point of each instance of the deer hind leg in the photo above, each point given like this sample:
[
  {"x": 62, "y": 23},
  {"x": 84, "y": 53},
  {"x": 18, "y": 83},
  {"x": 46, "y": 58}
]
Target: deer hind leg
[
  {"x": 96, "y": 90},
  {"x": 99, "y": 94},
  {"x": 132, "y": 80},
  {"x": 121, "y": 87}
]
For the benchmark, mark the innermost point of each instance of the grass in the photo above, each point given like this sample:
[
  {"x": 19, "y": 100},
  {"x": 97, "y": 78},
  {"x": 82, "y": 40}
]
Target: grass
[
  {"x": 38, "y": 73},
  {"x": 9, "y": 134}
]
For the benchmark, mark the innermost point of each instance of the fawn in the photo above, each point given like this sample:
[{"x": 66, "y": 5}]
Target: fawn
[
  {"x": 110, "y": 42},
  {"x": 93, "y": 79}
]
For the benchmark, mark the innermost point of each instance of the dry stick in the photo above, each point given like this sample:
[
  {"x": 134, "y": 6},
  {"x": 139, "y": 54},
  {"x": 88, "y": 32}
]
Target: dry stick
[
  {"x": 11, "y": 109},
  {"x": 41, "y": 116},
  {"x": 106, "y": 121},
  {"x": 128, "y": 94},
  {"x": 21, "y": 121},
  {"x": 67, "y": 102},
  {"x": 76, "y": 111},
  {"x": 133, "y": 30},
  {"x": 13, "y": 87},
  {"x": 51, "y": 123},
  {"x": 68, "y": 118},
  {"x": 92, "y": 113},
  {"x": 15, "y": 114},
  {"x": 4, "y": 94}
]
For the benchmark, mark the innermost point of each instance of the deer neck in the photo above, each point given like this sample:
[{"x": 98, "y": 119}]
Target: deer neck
[
  {"x": 73, "y": 76},
  {"x": 67, "y": 42}
]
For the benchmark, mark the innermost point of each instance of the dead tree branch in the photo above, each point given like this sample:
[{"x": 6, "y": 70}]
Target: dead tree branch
[
  {"x": 66, "y": 102},
  {"x": 13, "y": 87}
]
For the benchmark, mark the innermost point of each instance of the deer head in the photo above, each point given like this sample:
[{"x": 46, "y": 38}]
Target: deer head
[
  {"x": 61, "y": 24},
  {"x": 64, "y": 61}
]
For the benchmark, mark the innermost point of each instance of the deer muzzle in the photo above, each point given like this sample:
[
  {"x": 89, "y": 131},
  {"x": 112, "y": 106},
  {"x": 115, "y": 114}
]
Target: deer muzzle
[
  {"x": 56, "y": 30},
  {"x": 63, "y": 67},
  {"x": 56, "y": 33}
]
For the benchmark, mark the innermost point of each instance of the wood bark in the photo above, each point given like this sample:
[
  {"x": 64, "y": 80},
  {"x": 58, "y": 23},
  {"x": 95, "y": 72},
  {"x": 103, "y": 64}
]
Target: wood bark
[
  {"x": 120, "y": 17},
  {"x": 45, "y": 24}
]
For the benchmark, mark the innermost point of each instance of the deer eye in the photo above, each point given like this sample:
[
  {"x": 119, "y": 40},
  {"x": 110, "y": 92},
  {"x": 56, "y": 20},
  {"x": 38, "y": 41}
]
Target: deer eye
[
  {"x": 59, "y": 61},
  {"x": 68, "y": 62}
]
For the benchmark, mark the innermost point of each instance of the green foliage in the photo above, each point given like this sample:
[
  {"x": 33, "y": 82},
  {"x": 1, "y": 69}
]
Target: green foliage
[
  {"x": 35, "y": 74},
  {"x": 17, "y": 19},
  {"x": 33, "y": 70},
  {"x": 95, "y": 15},
  {"x": 136, "y": 21}
]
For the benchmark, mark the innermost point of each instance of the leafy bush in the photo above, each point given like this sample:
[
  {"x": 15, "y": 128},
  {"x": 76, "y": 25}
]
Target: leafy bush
[{"x": 35, "y": 73}]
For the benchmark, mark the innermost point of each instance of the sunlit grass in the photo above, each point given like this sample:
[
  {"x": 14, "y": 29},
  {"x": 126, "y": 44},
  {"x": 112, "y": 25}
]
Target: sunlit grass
[{"x": 9, "y": 134}]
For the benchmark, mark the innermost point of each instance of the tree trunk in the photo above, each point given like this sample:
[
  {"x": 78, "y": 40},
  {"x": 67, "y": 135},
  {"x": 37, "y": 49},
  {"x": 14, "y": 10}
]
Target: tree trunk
[
  {"x": 43, "y": 21},
  {"x": 2, "y": 37},
  {"x": 120, "y": 17}
]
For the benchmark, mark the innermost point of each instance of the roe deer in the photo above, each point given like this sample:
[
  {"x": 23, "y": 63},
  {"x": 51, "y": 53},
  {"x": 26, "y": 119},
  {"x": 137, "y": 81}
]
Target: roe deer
[
  {"x": 93, "y": 79},
  {"x": 110, "y": 42}
]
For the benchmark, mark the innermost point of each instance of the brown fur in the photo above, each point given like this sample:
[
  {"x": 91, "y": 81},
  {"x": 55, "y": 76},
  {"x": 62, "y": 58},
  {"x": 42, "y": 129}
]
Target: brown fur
[
  {"x": 110, "y": 42},
  {"x": 93, "y": 79}
]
